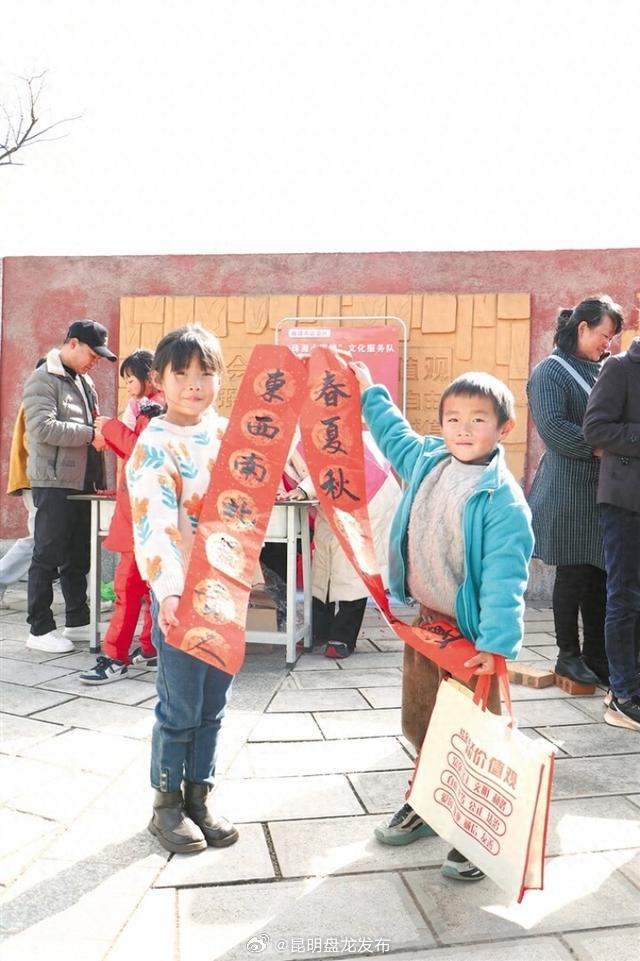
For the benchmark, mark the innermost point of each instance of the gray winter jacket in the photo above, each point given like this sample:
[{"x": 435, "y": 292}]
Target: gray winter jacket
[
  {"x": 612, "y": 421},
  {"x": 59, "y": 428}
]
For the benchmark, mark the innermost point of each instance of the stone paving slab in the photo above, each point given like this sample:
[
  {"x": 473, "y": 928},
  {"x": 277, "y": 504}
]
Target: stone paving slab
[
  {"x": 549, "y": 654},
  {"x": 18, "y": 733},
  {"x": 377, "y": 659},
  {"x": 315, "y": 662},
  {"x": 581, "y": 891},
  {"x": 593, "y": 824},
  {"x": 151, "y": 928},
  {"x": 342, "y": 908},
  {"x": 520, "y": 692},
  {"x": 622, "y": 944},
  {"x": 125, "y": 691},
  {"x": 246, "y": 860},
  {"x": 383, "y": 697},
  {"x": 283, "y": 798},
  {"x": 346, "y": 846},
  {"x": 381, "y": 791},
  {"x": 294, "y": 701},
  {"x": 537, "y": 713},
  {"x": 58, "y": 900},
  {"x": 341, "y": 679},
  {"x": 23, "y": 837},
  {"x": 63, "y": 798},
  {"x": 591, "y": 740},
  {"x": 286, "y": 727},
  {"x": 93, "y": 751},
  {"x": 349, "y": 724},
  {"x": 389, "y": 644},
  {"x": 319, "y": 757},
  {"x": 525, "y": 949},
  {"x": 627, "y": 863},
  {"x": 24, "y": 947},
  {"x": 16, "y": 699},
  {"x": 585, "y": 777},
  {"x": 592, "y": 705},
  {"x": 29, "y": 674},
  {"x": 634, "y": 798},
  {"x": 383, "y": 632},
  {"x": 97, "y": 716}
]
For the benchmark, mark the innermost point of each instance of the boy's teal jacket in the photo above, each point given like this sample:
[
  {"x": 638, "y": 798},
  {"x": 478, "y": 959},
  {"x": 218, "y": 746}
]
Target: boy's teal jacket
[{"x": 498, "y": 538}]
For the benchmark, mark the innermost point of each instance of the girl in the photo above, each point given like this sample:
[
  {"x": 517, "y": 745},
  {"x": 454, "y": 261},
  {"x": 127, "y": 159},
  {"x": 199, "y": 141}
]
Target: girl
[{"x": 168, "y": 476}]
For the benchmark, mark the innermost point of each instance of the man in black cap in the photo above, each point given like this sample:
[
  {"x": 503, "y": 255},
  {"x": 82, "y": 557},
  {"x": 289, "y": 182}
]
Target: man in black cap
[{"x": 60, "y": 404}]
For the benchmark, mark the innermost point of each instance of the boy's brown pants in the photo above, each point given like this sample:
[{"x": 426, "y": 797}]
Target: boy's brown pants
[{"x": 420, "y": 680}]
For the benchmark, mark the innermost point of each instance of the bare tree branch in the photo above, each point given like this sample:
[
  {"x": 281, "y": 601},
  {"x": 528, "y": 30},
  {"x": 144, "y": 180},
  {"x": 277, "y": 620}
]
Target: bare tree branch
[{"x": 21, "y": 126}]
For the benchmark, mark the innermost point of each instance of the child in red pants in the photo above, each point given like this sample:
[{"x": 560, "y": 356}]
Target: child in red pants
[{"x": 131, "y": 591}]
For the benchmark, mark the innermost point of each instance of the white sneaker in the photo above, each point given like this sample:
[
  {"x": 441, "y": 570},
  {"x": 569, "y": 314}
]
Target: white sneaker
[
  {"x": 82, "y": 633},
  {"x": 52, "y": 643}
]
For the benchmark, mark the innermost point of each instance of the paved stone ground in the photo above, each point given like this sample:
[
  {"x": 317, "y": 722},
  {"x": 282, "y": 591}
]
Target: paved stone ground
[{"x": 310, "y": 760}]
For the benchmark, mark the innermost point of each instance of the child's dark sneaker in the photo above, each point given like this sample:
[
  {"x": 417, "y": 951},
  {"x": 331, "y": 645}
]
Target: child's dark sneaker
[
  {"x": 403, "y": 827},
  {"x": 624, "y": 713},
  {"x": 337, "y": 650},
  {"x": 457, "y": 867},
  {"x": 105, "y": 671},
  {"x": 139, "y": 659}
]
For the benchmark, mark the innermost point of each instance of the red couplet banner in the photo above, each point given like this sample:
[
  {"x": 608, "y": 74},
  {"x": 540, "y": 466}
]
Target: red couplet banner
[
  {"x": 276, "y": 390},
  {"x": 332, "y": 439},
  {"x": 236, "y": 509}
]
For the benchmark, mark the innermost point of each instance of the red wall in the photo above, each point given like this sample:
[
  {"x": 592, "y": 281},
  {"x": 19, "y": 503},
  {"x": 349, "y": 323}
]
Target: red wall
[{"x": 42, "y": 295}]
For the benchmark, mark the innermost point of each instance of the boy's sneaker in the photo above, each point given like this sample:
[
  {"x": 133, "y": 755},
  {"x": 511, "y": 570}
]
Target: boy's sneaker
[
  {"x": 51, "y": 642},
  {"x": 148, "y": 662},
  {"x": 624, "y": 713},
  {"x": 105, "y": 671},
  {"x": 404, "y": 827},
  {"x": 457, "y": 867}
]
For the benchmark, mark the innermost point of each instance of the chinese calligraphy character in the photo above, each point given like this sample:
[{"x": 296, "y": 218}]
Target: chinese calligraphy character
[
  {"x": 250, "y": 466},
  {"x": 332, "y": 436},
  {"x": 330, "y": 391},
  {"x": 263, "y": 426},
  {"x": 275, "y": 381},
  {"x": 335, "y": 485}
]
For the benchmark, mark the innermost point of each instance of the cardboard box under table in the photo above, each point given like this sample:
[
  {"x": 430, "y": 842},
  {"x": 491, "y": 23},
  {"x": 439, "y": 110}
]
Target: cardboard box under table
[{"x": 288, "y": 522}]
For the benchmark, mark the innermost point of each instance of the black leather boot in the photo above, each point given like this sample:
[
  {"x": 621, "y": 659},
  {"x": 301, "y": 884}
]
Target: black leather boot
[
  {"x": 573, "y": 667},
  {"x": 173, "y": 829},
  {"x": 218, "y": 832},
  {"x": 598, "y": 667}
]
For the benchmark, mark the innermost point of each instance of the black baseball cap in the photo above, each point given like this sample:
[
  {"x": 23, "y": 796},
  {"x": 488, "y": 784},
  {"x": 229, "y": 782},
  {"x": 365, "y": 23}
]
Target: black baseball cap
[{"x": 93, "y": 334}]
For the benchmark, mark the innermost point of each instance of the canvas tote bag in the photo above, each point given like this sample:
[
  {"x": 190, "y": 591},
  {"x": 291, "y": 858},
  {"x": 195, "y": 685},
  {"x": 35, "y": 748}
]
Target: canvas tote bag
[{"x": 485, "y": 787}]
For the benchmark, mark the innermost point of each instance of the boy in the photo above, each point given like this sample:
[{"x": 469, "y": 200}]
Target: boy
[
  {"x": 168, "y": 476},
  {"x": 460, "y": 545}
]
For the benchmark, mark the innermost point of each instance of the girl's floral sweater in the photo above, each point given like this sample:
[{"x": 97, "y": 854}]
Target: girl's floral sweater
[{"x": 167, "y": 476}]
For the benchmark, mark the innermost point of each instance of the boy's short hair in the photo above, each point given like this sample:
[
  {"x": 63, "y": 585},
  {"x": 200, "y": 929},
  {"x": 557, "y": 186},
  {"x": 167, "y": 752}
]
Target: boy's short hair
[
  {"x": 479, "y": 384},
  {"x": 138, "y": 364},
  {"x": 178, "y": 348}
]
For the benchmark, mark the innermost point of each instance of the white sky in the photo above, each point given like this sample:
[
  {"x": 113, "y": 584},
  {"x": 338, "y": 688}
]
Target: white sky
[{"x": 234, "y": 126}]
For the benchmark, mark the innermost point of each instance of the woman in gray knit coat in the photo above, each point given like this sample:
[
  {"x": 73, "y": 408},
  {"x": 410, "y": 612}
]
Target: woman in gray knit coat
[{"x": 564, "y": 489}]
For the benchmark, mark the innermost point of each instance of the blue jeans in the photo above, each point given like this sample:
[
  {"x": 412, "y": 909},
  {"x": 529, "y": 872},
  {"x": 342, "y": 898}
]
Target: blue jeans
[
  {"x": 621, "y": 536},
  {"x": 192, "y": 697}
]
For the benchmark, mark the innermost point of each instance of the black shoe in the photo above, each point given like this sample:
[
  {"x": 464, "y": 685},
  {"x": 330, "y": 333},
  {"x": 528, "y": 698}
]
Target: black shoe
[
  {"x": 600, "y": 668},
  {"x": 460, "y": 869},
  {"x": 173, "y": 829},
  {"x": 218, "y": 831},
  {"x": 573, "y": 667},
  {"x": 624, "y": 713}
]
